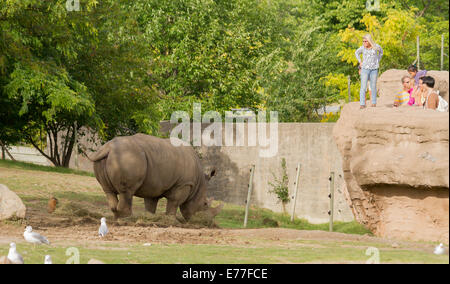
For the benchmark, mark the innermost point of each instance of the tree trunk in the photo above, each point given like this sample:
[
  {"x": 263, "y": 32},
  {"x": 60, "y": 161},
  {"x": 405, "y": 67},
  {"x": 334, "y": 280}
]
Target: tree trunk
[
  {"x": 58, "y": 159},
  {"x": 68, "y": 152},
  {"x": 4, "y": 149}
]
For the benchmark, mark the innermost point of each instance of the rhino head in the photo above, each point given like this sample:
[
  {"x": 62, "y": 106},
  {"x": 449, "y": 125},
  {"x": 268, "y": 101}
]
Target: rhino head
[{"x": 200, "y": 202}]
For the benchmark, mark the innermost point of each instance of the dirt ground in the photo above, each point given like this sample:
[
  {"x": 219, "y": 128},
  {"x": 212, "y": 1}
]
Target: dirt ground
[{"x": 125, "y": 235}]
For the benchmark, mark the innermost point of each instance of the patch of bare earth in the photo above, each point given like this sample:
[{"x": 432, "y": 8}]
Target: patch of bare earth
[{"x": 125, "y": 235}]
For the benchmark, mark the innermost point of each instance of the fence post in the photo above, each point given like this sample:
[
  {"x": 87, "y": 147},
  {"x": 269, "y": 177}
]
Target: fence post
[
  {"x": 295, "y": 192},
  {"x": 418, "y": 52},
  {"x": 349, "y": 81},
  {"x": 442, "y": 52},
  {"x": 331, "y": 196},
  {"x": 250, "y": 187},
  {"x": 76, "y": 145}
]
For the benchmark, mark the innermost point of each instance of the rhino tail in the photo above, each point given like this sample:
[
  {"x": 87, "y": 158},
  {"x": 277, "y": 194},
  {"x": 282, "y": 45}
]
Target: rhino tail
[{"x": 101, "y": 154}]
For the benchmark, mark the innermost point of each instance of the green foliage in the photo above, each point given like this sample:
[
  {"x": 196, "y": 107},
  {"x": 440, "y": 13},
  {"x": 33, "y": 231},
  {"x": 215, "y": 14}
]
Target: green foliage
[
  {"x": 395, "y": 28},
  {"x": 330, "y": 117},
  {"x": 206, "y": 51},
  {"x": 281, "y": 186},
  {"x": 120, "y": 66},
  {"x": 68, "y": 70},
  {"x": 342, "y": 14},
  {"x": 292, "y": 78}
]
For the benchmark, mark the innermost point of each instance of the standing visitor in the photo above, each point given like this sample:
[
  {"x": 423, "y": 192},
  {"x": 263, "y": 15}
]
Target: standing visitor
[{"x": 369, "y": 65}]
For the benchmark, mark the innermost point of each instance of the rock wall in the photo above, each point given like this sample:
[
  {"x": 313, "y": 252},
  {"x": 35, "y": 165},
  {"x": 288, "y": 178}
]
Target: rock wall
[
  {"x": 396, "y": 166},
  {"x": 389, "y": 83}
]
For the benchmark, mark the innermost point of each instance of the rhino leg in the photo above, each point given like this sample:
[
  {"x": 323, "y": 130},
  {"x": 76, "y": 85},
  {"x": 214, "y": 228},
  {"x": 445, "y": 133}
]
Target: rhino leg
[
  {"x": 112, "y": 201},
  {"x": 151, "y": 204},
  {"x": 171, "y": 207},
  {"x": 175, "y": 197},
  {"x": 124, "y": 207}
]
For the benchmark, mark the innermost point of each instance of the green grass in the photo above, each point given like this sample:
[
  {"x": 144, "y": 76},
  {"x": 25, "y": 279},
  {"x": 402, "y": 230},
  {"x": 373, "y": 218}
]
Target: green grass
[
  {"x": 33, "y": 167},
  {"x": 218, "y": 254},
  {"x": 232, "y": 216}
]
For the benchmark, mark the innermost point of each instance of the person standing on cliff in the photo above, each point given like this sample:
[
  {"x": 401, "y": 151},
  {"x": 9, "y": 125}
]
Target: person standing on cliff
[{"x": 369, "y": 65}]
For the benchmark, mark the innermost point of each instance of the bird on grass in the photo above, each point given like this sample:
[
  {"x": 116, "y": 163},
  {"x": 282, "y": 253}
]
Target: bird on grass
[
  {"x": 13, "y": 255},
  {"x": 439, "y": 249},
  {"x": 33, "y": 237},
  {"x": 103, "y": 229},
  {"x": 48, "y": 260},
  {"x": 52, "y": 205}
]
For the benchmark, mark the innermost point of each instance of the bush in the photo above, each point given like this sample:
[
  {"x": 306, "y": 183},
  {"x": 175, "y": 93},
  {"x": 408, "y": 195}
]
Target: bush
[{"x": 281, "y": 187}]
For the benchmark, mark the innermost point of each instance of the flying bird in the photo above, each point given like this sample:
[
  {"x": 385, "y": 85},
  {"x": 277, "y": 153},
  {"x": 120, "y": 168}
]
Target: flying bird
[
  {"x": 13, "y": 255},
  {"x": 48, "y": 260},
  {"x": 439, "y": 249},
  {"x": 33, "y": 237},
  {"x": 103, "y": 230}
]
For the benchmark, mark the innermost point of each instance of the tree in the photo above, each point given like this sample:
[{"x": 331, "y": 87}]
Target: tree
[
  {"x": 54, "y": 101},
  {"x": 206, "y": 51},
  {"x": 292, "y": 79},
  {"x": 68, "y": 70}
]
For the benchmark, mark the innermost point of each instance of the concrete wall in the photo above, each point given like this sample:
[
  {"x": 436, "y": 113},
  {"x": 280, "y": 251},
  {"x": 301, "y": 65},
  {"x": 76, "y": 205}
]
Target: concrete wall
[
  {"x": 27, "y": 154},
  {"x": 310, "y": 144}
]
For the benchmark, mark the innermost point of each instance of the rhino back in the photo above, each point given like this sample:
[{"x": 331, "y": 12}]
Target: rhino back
[{"x": 167, "y": 166}]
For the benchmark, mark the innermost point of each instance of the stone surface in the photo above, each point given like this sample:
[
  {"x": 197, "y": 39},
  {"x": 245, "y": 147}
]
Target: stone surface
[
  {"x": 396, "y": 168},
  {"x": 10, "y": 204}
]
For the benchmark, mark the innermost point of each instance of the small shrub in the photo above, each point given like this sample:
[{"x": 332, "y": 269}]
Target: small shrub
[{"x": 281, "y": 186}]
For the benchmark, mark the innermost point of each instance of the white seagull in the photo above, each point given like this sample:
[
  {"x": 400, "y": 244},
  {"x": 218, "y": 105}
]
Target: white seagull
[
  {"x": 13, "y": 255},
  {"x": 48, "y": 260},
  {"x": 33, "y": 237},
  {"x": 439, "y": 249},
  {"x": 103, "y": 230}
]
